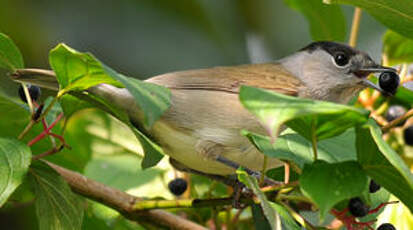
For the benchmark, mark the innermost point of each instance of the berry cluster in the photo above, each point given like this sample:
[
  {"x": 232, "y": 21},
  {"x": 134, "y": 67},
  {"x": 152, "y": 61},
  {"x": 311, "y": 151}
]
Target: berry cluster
[
  {"x": 389, "y": 82},
  {"x": 357, "y": 208},
  {"x": 34, "y": 95}
]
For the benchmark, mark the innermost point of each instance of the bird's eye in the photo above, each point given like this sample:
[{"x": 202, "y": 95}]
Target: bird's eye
[{"x": 341, "y": 59}]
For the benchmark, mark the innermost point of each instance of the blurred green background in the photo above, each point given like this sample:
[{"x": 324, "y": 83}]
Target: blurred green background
[{"x": 149, "y": 37}]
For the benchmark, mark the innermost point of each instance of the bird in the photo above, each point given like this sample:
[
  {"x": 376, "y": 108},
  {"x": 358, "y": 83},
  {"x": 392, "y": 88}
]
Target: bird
[{"x": 200, "y": 131}]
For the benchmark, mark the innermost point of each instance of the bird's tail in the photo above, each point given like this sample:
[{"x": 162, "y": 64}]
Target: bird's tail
[
  {"x": 117, "y": 97},
  {"x": 39, "y": 77}
]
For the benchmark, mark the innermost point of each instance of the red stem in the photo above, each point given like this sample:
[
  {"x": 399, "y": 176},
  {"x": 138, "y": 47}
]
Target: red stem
[
  {"x": 58, "y": 137},
  {"x": 44, "y": 124},
  {"x": 46, "y": 131},
  {"x": 381, "y": 206}
]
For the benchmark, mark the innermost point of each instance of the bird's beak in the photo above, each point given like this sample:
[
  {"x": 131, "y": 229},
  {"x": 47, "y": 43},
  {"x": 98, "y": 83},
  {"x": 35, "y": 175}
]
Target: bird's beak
[
  {"x": 363, "y": 72},
  {"x": 370, "y": 84}
]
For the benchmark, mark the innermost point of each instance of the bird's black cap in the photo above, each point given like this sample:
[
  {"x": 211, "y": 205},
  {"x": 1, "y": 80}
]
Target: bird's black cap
[{"x": 331, "y": 47}]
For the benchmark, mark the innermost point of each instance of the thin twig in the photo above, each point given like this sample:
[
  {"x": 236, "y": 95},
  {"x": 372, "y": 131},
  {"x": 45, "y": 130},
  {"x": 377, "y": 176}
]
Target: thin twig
[
  {"x": 46, "y": 131},
  {"x": 299, "y": 218},
  {"x": 26, "y": 129},
  {"x": 47, "y": 153},
  {"x": 397, "y": 121},
  {"x": 286, "y": 173},
  {"x": 355, "y": 27}
]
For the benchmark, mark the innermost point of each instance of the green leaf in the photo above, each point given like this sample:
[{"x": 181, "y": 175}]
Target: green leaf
[
  {"x": 57, "y": 207},
  {"x": 252, "y": 184},
  {"x": 153, "y": 99},
  {"x": 17, "y": 117},
  {"x": 383, "y": 164},
  {"x": 327, "y": 184},
  {"x": 77, "y": 71},
  {"x": 120, "y": 171},
  {"x": 397, "y": 15},
  {"x": 295, "y": 148},
  {"x": 274, "y": 109},
  {"x": 287, "y": 220},
  {"x": 71, "y": 104},
  {"x": 404, "y": 95},
  {"x": 15, "y": 159},
  {"x": 153, "y": 152},
  {"x": 398, "y": 48},
  {"x": 260, "y": 222},
  {"x": 54, "y": 112},
  {"x": 327, "y": 22},
  {"x": 10, "y": 56}
]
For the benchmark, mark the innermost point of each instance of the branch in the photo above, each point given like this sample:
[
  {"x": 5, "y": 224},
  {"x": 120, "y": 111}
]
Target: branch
[{"x": 121, "y": 201}]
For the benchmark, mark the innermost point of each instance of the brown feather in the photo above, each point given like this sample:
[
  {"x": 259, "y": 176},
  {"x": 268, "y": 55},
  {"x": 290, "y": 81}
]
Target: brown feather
[
  {"x": 270, "y": 76},
  {"x": 206, "y": 114}
]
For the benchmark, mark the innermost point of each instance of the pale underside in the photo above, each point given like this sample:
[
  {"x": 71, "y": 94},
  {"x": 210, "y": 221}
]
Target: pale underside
[{"x": 206, "y": 117}]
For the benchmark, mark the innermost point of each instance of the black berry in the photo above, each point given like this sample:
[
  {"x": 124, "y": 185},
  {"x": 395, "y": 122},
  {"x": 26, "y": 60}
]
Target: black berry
[
  {"x": 408, "y": 135},
  {"x": 386, "y": 226},
  {"x": 389, "y": 81},
  {"x": 394, "y": 112},
  {"x": 374, "y": 187},
  {"x": 177, "y": 186},
  {"x": 357, "y": 207},
  {"x": 34, "y": 92}
]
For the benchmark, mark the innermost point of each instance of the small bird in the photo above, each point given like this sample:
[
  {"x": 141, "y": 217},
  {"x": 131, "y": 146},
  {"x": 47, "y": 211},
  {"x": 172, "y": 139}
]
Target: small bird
[{"x": 205, "y": 118}]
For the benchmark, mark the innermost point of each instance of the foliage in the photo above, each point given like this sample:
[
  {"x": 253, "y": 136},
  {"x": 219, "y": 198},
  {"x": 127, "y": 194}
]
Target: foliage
[{"x": 333, "y": 150}]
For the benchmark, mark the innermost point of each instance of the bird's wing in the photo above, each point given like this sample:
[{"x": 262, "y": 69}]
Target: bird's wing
[{"x": 270, "y": 76}]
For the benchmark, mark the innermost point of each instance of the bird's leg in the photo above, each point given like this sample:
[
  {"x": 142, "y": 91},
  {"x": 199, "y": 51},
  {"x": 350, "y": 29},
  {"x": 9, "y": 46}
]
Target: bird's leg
[
  {"x": 227, "y": 180},
  {"x": 213, "y": 151}
]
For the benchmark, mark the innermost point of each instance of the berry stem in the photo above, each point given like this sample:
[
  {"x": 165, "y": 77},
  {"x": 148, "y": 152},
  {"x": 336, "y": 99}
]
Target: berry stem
[
  {"x": 44, "y": 124},
  {"x": 381, "y": 206},
  {"x": 46, "y": 131},
  {"x": 47, "y": 153},
  {"x": 383, "y": 107},
  {"x": 397, "y": 121},
  {"x": 28, "y": 98},
  {"x": 48, "y": 108},
  {"x": 61, "y": 139}
]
